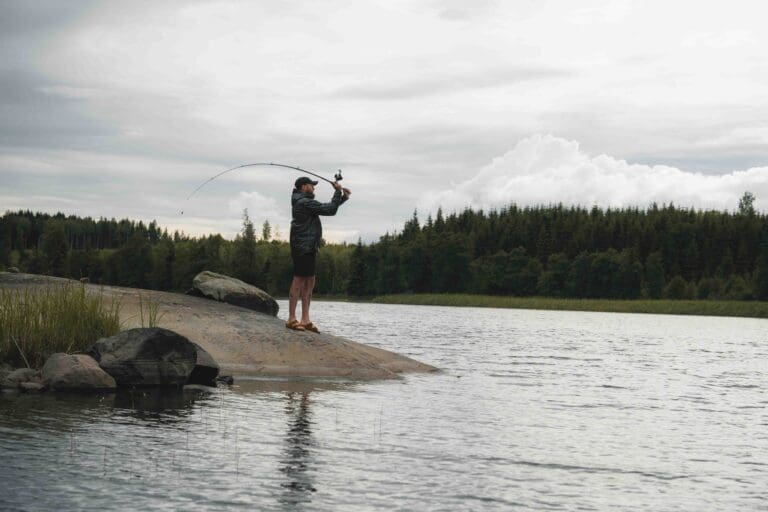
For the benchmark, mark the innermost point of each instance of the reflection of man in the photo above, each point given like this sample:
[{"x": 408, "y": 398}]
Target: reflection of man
[
  {"x": 306, "y": 232},
  {"x": 298, "y": 458}
]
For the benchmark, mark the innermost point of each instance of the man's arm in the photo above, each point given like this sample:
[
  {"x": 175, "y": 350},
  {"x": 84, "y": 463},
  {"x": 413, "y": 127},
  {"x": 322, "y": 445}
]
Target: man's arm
[{"x": 319, "y": 208}]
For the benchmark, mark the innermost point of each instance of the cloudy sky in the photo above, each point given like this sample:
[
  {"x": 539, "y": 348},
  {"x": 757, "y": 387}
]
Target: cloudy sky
[{"x": 120, "y": 109}]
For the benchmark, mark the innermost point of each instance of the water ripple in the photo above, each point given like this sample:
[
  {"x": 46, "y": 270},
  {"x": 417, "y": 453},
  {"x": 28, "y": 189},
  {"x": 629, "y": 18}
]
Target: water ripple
[{"x": 534, "y": 410}]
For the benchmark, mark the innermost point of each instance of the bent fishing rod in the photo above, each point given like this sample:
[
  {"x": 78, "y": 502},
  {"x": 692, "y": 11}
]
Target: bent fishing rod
[{"x": 338, "y": 177}]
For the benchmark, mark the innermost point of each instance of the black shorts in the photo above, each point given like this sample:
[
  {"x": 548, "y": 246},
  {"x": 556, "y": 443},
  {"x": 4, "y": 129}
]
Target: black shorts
[{"x": 303, "y": 264}]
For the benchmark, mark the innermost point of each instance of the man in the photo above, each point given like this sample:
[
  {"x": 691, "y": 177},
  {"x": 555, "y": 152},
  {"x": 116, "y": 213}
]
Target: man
[{"x": 306, "y": 232}]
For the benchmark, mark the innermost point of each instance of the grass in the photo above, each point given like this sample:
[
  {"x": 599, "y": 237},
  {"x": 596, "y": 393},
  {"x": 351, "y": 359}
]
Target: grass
[
  {"x": 754, "y": 309},
  {"x": 35, "y": 323},
  {"x": 149, "y": 311}
]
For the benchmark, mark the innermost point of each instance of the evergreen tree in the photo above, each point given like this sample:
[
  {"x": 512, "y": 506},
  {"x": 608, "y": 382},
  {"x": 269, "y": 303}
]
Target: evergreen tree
[
  {"x": 654, "y": 275},
  {"x": 359, "y": 279},
  {"x": 552, "y": 282},
  {"x": 761, "y": 271},
  {"x": 133, "y": 262},
  {"x": 6, "y": 240},
  {"x": 54, "y": 247},
  {"x": 746, "y": 204},
  {"x": 244, "y": 258}
]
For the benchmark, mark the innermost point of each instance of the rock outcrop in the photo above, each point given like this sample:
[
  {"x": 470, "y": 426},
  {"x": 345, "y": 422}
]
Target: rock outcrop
[
  {"x": 234, "y": 291},
  {"x": 245, "y": 342},
  {"x": 75, "y": 372},
  {"x": 153, "y": 357}
]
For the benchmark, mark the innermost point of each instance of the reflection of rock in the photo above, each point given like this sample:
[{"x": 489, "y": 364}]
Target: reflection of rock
[
  {"x": 75, "y": 372},
  {"x": 147, "y": 357},
  {"x": 234, "y": 291},
  {"x": 206, "y": 370},
  {"x": 166, "y": 401}
]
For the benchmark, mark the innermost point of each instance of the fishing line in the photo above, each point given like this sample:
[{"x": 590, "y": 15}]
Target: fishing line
[{"x": 337, "y": 177}]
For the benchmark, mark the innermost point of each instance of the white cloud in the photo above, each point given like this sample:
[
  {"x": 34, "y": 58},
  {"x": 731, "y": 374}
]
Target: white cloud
[
  {"x": 261, "y": 208},
  {"x": 543, "y": 169},
  {"x": 125, "y": 107}
]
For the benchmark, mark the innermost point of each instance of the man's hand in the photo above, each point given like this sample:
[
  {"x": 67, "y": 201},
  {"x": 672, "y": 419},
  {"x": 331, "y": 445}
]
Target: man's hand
[
  {"x": 336, "y": 185},
  {"x": 346, "y": 192}
]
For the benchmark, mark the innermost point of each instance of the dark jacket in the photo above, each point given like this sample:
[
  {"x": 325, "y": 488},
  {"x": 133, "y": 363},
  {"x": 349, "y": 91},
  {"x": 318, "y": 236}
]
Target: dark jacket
[{"x": 306, "y": 230}]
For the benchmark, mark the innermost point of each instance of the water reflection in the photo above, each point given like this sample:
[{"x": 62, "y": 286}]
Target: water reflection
[
  {"x": 52, "y": 411},
  {"x": 298, "y": 459},
  {"x": 246, "y": 385},
  {"x": 168, "y": 405}
]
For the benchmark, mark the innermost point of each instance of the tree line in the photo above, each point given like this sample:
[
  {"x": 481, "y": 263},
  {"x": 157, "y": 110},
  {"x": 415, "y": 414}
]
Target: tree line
[
  {"x": 135, "y": 254},
  {"x": 627, "y": 253}
]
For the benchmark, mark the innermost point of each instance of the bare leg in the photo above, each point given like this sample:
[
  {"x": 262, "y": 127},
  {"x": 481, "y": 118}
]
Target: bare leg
[
  {"x": 306, "y": 298},
  {"x": 294, "y": 294}
]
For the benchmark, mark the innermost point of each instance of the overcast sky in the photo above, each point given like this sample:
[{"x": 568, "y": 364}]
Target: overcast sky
[{"x": 120, "y": 109}]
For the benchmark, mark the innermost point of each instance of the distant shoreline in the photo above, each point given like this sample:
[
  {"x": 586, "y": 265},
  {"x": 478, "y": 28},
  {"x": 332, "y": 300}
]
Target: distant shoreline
[{"x": 748, "y": 309}]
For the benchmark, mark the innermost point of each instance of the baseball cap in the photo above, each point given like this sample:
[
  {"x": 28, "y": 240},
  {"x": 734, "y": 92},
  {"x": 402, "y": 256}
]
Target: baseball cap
[{"x": 303, "y": 181}]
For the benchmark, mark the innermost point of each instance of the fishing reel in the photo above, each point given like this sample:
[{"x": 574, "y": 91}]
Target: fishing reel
[{"x": 338, "y": 176}]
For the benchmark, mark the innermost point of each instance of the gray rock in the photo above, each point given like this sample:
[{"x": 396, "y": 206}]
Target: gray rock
[
  {"x": 75, "y": 372},
  {"x": 4, "y": 370},
  {"x": 225, "y": 379},
  {"x": 234, "y": 291},
  {"x": 13, "y": 270},
  {"x": 32, "y": 386},
  {"x": 16, "y": 377},
  {"x": 198, "y": 387},
  {"x": 147, "y": 357}
]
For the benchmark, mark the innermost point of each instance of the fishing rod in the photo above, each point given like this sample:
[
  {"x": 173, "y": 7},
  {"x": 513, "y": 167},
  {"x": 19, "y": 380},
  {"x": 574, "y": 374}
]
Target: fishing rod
[{"x": 338, "y": 177}]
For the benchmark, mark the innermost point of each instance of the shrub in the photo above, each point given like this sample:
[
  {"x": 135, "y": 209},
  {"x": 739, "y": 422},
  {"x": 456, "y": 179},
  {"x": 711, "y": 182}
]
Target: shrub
[
  {"x": 736, "y": 288},
  {"x": 710, "y": 288},
  {"x": 678, "y": 288}
]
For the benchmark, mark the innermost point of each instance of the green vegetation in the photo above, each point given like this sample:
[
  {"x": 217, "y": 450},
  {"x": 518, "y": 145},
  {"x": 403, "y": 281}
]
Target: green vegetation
[
  {"x": 661, "y": 252},
  {"x": 133, "y": 254},
  {"x": 35, "y": 323},
  {"x": 149, "y": 311},
  {"x": 753, "y": 309}
]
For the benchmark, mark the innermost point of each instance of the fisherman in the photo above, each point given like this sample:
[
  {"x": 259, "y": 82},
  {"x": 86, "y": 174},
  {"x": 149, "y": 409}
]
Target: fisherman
[{"x": 306, "y": 232}]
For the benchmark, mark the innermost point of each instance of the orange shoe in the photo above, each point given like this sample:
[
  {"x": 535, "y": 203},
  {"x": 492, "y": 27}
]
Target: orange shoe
[
  {"x": 295, "y": 325},
  {"x": 309, "y": 326}
]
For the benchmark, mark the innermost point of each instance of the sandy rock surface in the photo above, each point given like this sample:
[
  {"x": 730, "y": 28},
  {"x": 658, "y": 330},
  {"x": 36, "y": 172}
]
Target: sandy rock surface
[{"x": 246, "y": 342}]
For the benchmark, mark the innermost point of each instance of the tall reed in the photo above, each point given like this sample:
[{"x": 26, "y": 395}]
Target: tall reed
[
  {"x": 149, "y": 311},
  {"x": 36, "y": 322}
]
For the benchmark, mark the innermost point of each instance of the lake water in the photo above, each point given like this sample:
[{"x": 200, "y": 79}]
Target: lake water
[{"x": 535, "y": 410}]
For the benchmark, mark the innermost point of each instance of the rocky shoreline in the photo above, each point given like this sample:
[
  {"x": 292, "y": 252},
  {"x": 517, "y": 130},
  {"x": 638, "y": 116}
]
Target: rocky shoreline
[{"x": 240, "y": 341}]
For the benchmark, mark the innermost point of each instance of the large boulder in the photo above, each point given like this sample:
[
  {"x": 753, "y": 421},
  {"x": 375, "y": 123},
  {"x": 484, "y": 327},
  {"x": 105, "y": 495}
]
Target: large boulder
[
  {"x": 151, "y": 357},
  {"x": 234, "y": 291},
  {"x": 76, "y": 372}
]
